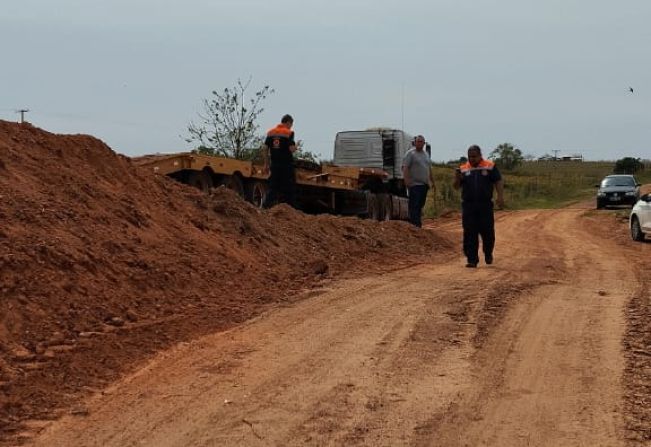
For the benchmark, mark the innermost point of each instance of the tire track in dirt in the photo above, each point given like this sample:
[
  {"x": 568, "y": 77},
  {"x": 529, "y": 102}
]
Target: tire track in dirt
[
  {"x": 551, "y": 373},
  {"x": 524, "y": 352},
  {"x": 614, "y": 227},
  {"x": 367, "y": 362}
]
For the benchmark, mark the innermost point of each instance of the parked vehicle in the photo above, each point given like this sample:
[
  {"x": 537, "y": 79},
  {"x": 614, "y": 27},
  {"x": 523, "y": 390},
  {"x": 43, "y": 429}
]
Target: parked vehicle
[
  {"x": 640, "y": 219},
  {"x": 366, "y": 179},
  {"x": 616, "y": 190},
  {"x": 380, "y": 149}
]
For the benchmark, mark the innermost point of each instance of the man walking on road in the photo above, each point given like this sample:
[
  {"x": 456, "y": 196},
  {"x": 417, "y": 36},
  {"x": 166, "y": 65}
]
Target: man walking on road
[
  {"x": 417, "y": 174},
  {"x": 476, "y": 178},
  {"x": 279, "y": 148}
]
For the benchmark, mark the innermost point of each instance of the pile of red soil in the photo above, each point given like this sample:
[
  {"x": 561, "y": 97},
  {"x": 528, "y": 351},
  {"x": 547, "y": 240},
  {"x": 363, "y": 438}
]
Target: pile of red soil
[{"x": 102, "y": 264}]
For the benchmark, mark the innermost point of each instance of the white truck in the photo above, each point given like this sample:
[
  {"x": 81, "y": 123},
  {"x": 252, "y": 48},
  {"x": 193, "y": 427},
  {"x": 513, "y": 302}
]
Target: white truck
[{"x": 380, "y": 149}]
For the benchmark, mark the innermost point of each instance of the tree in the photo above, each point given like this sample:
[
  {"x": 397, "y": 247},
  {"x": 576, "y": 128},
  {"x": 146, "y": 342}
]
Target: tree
[
  {"x": 228, "y": 123},
  {"x": 256, "y": 154},
  {"x": 507, "y": 156},
  {"x": 628, "y": 165},
  {"x": 302, "y": 154}
]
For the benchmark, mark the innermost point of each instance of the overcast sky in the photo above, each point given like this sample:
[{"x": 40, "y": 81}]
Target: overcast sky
[{"x": 542, "y": 75}]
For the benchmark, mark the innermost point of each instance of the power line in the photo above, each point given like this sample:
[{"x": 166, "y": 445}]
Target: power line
[{"x": 402, "y": 107}]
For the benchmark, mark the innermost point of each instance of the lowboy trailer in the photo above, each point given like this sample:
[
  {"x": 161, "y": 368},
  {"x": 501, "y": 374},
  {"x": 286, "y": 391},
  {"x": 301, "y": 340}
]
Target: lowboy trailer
[{"x": 342, "y": 190}]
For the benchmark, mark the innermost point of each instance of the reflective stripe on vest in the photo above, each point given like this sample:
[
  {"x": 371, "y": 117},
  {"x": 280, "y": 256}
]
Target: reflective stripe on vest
[
  {"x": 484, "y": 165},
  {"x": 279, "y": 131}
]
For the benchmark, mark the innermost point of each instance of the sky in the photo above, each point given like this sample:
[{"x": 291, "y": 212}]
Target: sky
[{"x": 545, "y": 76}]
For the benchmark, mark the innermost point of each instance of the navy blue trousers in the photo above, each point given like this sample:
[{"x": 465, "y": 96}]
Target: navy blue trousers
[
  {"x": 478, "y": 220},
  {"x": 282, "y": 186},
  {"x": 417, "y": 197}
]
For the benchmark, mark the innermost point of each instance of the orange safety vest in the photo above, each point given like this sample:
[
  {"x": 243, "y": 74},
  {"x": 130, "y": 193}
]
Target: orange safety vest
[
  {"x": 279, "y": 140},
  {"x": 280, "y": 131},
  {"x": 483, "y": 165},
  {"x": 477, "y": 181}
]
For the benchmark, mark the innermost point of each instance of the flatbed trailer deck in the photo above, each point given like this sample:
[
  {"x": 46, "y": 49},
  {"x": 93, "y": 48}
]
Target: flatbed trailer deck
[{"x": 345, "y": 190}]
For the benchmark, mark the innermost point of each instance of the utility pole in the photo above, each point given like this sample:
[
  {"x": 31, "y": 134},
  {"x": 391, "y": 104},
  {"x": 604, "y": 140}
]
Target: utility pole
[
  {"x": 556, "y": 151},
  {"x": 402, "y": 107},
  {"x": 22, "y": 114}
]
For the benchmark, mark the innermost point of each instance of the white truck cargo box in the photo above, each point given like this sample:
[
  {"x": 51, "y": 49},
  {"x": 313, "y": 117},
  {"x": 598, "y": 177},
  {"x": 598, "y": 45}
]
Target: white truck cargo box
[{"x": 382, "y": 149}]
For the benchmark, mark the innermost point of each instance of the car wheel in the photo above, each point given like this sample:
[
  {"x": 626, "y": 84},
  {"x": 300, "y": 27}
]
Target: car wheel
[
  {"x": 600, "y": 205},
  {"x": 636, "y": 230}
]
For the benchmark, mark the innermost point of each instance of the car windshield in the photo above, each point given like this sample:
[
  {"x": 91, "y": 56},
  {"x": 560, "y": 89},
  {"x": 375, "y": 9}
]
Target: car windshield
[{"x": 618, "y": 181}]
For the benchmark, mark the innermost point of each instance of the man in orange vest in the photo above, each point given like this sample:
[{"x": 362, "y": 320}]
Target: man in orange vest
[
  {"x": 279, "y": 148},
  {"x": 476, "y": 178}
]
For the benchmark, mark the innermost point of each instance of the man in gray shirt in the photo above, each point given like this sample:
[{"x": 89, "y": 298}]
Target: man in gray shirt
[{"x": 417, "y": 174}]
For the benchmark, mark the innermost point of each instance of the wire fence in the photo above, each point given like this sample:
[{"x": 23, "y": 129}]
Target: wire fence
[{"x": 548, "y": 184}]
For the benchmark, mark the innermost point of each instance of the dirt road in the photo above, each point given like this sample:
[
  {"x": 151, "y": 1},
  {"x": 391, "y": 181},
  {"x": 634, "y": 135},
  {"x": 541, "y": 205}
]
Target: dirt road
[{"x": 527, "y": 351}]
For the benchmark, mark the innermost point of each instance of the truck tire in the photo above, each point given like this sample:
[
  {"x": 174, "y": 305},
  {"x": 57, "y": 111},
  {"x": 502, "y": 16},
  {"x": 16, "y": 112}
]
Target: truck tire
[
  {"x": 404, "y": 208},
  {"x": 395, "y": 207},
  {"x": 234, "y": 183},
  {"x": 201, "y": 180},
  {"x": 373, "y": 206},
  {"x": 256, "y": 192},
  {"x": 385, "y": 206}
]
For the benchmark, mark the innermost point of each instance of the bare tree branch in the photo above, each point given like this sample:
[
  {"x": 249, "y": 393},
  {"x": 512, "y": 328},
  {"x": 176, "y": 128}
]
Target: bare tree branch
[{"x": 227, "y": 124}]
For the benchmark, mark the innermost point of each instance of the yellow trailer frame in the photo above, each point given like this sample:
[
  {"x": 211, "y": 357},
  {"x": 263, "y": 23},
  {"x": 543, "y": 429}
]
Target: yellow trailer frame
[
  {"x": 332, "y": 183},
  {"x": 334, "y": 177}
]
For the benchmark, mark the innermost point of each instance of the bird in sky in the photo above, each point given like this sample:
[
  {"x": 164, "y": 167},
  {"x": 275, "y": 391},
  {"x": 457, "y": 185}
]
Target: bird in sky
[{"x": 630, "y": 89}]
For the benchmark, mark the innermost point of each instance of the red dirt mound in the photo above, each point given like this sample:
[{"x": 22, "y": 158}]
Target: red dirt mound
[{"x": 103, "y": 264}]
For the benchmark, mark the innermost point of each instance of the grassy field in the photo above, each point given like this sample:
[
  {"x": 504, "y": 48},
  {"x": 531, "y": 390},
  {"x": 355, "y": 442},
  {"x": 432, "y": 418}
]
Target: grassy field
[{"x": 548, "y": 184}]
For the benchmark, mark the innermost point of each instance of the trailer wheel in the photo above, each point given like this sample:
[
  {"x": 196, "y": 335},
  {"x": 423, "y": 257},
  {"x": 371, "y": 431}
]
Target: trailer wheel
[
  {"x": 201, "y": 180},
  {"x": 257, "y": 191},
  {"x": 234, "y": 183}
]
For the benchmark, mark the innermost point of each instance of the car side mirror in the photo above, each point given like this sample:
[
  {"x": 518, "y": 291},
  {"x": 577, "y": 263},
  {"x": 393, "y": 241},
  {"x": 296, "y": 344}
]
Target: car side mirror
[
  {"x": 596, "y": 186},
  {"x": 646, "y": 197}
]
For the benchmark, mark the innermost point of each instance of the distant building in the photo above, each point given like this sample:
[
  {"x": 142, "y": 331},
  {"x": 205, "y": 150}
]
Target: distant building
[{"x": 575, "y": 157}]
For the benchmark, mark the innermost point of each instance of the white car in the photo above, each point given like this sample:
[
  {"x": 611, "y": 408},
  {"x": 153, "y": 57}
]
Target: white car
[{"x": 640, "y": 220}]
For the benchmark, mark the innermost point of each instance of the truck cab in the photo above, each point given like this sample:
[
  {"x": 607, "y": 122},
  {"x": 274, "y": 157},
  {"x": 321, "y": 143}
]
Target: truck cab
[
  {"x": 381, "y": 149},
  {"x": 378, "y": 148}
]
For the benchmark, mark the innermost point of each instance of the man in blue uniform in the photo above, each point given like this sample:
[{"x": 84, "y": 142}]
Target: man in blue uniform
[
  {"x": 476, "y": 178},
  {"x": 279, "y": 148}
]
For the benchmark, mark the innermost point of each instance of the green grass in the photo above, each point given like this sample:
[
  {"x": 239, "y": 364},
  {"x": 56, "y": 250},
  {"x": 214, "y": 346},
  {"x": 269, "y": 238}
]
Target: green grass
[{"x": 551, "y": 184}]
